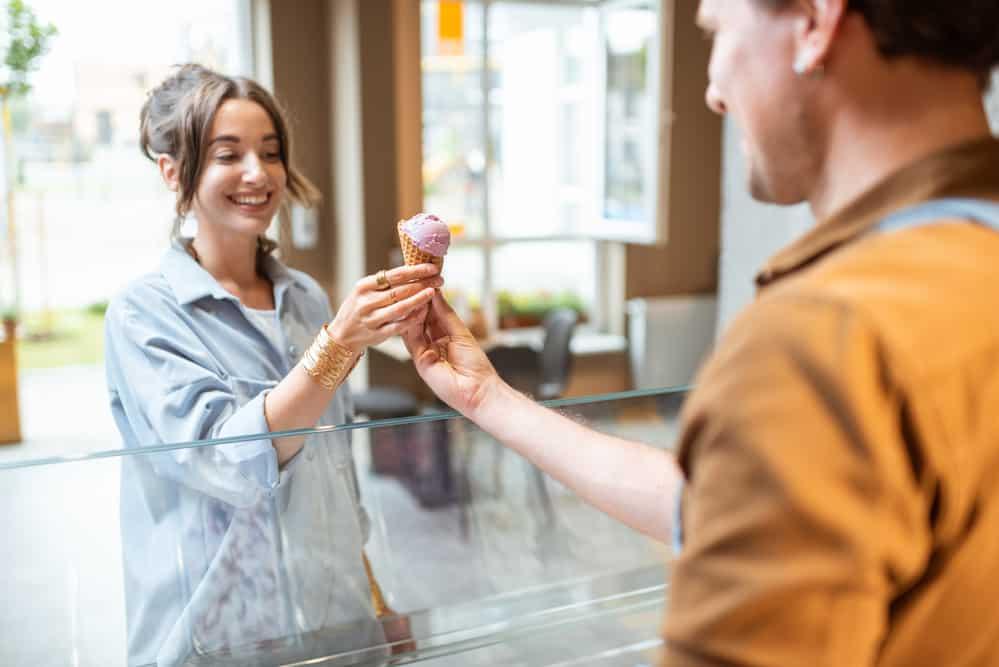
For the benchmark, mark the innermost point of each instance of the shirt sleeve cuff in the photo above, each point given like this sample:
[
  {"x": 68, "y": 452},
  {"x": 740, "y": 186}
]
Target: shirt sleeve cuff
[{"x": 256, "y": 460}]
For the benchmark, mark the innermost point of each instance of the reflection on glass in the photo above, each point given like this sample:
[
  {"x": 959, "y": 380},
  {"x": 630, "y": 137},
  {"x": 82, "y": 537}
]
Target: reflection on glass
[
  {"x": 487, "y": 560},
  {"x": 629, "y": 154}
]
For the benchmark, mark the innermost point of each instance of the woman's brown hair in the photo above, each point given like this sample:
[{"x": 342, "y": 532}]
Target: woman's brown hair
[{"x": 176, "y": 120}]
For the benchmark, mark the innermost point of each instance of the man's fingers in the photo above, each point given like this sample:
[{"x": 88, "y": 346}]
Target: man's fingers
[
  {"x": 445, "y": 317},
  {"x": 415, "y": 342}
]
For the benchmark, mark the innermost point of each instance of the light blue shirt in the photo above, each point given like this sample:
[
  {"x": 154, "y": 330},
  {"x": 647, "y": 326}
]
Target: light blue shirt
[{"x": 223, "y": 549}]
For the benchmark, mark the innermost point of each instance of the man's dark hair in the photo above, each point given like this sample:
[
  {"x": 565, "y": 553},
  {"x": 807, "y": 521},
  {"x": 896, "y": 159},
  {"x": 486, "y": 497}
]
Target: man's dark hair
[{"x": 957, "y": 33}]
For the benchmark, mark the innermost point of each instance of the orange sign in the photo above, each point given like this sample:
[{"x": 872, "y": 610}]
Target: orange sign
[{"x": 450, "y": 26}]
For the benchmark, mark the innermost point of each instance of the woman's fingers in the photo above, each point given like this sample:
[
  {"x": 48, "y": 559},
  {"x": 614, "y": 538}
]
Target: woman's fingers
[
  {"x": 403, "y": 327},
  {"x": 373, "y": 301},
  {"x": 400, "y": 275},
  {"x": 399, "y": 310}
]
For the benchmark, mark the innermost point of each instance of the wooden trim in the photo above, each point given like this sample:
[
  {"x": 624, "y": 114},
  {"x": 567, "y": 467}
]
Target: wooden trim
[{"x": 408, "y": 106}]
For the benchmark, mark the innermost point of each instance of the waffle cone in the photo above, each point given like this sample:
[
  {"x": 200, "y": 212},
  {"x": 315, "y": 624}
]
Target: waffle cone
[{"x": 411, "y": 253}]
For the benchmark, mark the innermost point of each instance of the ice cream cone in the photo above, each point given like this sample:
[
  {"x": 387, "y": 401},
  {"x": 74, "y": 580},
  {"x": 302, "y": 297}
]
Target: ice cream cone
[{"x": 412, "y": 254}]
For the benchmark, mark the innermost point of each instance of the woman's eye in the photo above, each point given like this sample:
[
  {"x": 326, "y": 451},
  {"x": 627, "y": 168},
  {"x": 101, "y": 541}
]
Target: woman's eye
[
  {"x": 225, "y": 157},
  {"x": 272, "y": 155}
]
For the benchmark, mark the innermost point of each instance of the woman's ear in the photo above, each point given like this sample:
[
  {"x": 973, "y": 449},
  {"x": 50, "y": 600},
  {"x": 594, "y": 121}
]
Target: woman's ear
[{"x": 169, "y": 171}]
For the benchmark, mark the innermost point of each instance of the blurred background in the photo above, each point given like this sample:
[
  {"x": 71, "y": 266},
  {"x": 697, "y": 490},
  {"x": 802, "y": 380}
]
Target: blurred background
[
  {"x": 603, "y": 236},
  {"x": 535, "y": 128}
]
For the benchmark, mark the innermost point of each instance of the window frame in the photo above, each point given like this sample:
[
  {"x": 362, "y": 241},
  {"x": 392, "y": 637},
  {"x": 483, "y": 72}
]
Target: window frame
[{"x": 608, "y": 253}]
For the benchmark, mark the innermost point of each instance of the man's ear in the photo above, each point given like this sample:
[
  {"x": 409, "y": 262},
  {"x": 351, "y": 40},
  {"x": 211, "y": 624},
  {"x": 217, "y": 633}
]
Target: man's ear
[
  {"x": 820, "y": 23},
  {"x": 169, "y": 171}
]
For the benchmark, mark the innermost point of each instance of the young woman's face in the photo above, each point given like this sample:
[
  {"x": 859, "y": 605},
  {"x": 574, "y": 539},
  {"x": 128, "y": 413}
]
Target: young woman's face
[{"x": 242, "y": 178}]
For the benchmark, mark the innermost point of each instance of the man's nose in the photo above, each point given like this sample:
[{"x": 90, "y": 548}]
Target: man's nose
[{"x": 714, "y": 100}]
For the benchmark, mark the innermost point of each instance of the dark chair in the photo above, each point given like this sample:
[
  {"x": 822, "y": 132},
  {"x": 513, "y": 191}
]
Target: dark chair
[
  {"x": 556, "y": 357},
  {"x": 418, "y": 455},
  {"x": 543, "y": 375}
]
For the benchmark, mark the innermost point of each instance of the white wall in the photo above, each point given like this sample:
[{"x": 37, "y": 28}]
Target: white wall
[{"x": 752, "y": 232}]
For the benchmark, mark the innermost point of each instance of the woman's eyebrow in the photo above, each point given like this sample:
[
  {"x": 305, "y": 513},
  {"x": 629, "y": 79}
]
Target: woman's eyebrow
[
  {"x": 231, "y": 138},
  {"x": 224, "y": 137}
]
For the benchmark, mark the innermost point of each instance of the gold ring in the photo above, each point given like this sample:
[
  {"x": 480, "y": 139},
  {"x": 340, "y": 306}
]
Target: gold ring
[{"x": 382, "y": 281}]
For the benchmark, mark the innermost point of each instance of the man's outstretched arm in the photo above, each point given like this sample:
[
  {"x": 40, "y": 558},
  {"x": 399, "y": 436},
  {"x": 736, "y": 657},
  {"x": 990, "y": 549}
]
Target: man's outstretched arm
[{"x": 632, "y": 482}]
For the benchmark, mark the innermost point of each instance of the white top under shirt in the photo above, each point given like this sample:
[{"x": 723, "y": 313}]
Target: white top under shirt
[{"x": 268, "y": 323}]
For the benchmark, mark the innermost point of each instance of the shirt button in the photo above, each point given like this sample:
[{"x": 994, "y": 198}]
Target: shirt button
[{"x": 292, "y": 350}]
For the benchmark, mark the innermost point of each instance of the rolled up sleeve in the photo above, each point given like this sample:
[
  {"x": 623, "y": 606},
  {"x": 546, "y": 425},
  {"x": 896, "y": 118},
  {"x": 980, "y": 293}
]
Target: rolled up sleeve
[
  {"x": 169, "y": 391},
  {"x": 801, "y": 516}
]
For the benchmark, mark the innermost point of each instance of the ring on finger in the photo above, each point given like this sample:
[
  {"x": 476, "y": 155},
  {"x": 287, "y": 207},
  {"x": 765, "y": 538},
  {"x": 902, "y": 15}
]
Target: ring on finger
[{"x": 382, "y": 281}]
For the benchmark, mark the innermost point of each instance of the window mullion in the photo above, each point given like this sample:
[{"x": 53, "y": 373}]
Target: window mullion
[{"x": 489, "y": 305}]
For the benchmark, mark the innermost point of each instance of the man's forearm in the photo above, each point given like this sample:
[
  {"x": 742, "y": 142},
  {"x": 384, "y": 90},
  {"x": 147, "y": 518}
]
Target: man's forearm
[{"x": 632, "y": 482}]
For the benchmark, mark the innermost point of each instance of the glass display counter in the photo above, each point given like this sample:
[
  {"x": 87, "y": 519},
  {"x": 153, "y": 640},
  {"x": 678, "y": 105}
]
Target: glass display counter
[{"x": 480, "y": 558}]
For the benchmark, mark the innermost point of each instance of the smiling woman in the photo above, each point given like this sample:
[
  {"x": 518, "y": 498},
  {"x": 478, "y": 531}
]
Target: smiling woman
[
  {"x": 221, "y": 341},
  {"x": 234, "y": 105}
]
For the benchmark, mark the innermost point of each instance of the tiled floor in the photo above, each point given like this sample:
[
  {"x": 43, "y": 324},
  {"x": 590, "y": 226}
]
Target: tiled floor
[{"x": 499, "y": 556}]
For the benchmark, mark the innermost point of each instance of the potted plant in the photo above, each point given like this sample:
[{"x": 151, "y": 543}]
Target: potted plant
[{"x": 529, "y": 309}]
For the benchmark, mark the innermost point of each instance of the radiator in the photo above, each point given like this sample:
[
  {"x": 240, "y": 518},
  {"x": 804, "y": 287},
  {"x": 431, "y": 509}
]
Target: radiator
[{"x": 668, "y": 338}]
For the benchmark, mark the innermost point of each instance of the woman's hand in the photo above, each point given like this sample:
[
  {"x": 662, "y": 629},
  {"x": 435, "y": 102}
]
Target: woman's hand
[
  {"x": 370, "y": 315},
  {"x": 450, "y": 361}
]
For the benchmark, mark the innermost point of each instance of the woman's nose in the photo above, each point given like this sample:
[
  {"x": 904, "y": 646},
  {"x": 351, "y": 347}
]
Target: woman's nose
[{"x": 253, "y": 171}]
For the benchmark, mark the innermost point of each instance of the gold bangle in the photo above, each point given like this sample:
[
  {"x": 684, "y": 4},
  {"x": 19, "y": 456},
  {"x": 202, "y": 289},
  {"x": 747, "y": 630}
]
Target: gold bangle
[{"x": 328, "y": 361}]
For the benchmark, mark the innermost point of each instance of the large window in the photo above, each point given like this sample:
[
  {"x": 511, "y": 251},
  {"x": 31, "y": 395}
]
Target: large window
[
  {"x": 88, "y": 209},
  {"x": 510, "y": 154},
  {"x": 89, "y": 212}
]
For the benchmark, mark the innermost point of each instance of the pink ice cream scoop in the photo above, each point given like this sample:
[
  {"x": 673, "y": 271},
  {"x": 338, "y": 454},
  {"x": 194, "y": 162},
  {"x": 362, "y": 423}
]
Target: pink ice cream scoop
[
  {"x": 424, "y": 238},
  {"x": 429, "y": 233}
]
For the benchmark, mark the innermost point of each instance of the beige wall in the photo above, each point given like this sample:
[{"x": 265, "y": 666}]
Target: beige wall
[
  {"x": 688, "y": 262},
  {"x": 303, "y": 49},
  {"x": 301, "y": 43}
]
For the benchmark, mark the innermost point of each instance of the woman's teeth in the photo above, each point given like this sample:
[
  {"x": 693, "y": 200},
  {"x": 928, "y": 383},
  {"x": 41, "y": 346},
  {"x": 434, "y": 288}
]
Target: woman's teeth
[{"x": 251, "y": 201}]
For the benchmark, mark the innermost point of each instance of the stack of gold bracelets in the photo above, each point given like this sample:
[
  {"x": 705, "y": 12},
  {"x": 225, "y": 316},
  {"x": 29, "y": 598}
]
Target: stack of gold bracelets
[{"x": 328, "y": 361}]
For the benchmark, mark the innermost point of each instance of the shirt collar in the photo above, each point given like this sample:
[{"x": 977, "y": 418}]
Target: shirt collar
[
  {"x": 965, "y": 170},
  {"x": 190, "y": 282}
]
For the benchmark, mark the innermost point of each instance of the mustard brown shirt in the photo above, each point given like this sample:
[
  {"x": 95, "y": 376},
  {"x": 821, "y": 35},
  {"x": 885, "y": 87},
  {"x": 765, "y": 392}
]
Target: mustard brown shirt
[{"x": 841, "y": 448}]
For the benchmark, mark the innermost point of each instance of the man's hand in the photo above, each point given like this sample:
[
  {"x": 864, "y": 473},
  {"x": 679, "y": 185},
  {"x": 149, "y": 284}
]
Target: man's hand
[{"x": 449, "y": 360}]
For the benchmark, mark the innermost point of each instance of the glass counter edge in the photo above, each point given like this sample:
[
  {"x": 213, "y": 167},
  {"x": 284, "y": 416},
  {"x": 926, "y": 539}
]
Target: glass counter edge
[{"x": 366, "y": 424}]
